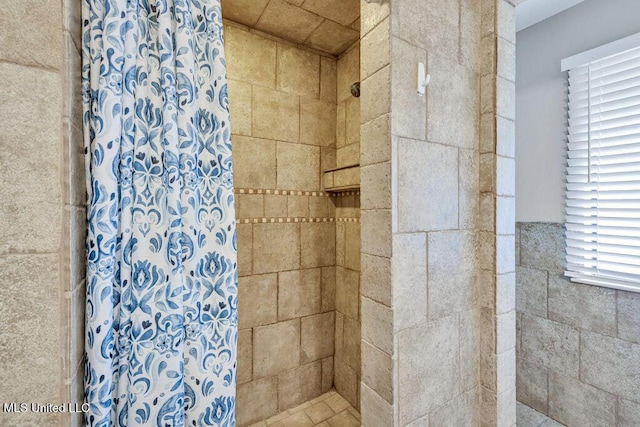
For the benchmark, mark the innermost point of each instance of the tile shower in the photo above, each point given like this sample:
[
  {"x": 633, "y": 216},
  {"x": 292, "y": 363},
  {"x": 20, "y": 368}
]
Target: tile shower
[
  {"x": 334, "y": 309},
  {"x": 298, "y": 246}
]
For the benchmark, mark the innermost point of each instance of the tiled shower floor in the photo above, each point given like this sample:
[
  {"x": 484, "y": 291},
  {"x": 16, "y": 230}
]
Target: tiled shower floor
[{"x": 328, "y": 410}]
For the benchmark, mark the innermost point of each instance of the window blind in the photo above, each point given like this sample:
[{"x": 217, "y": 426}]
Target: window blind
[{"x": 603, "y": 172}]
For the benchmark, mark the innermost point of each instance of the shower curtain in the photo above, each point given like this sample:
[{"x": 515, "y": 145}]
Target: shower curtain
[{"x": 161, "y": 322}]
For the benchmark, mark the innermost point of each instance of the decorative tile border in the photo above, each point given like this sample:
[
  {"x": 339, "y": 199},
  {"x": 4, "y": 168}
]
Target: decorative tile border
[
  {"x": 281, "y": 192},
  {"x": 292, "y": 220},
  {"x": 295, "y": 192}
]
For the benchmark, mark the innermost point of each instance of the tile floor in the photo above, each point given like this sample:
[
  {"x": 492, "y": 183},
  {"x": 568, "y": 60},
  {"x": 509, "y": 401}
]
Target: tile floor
[
  {"x": 529, "y": 417},
  {"x": 328, "y": 410}
]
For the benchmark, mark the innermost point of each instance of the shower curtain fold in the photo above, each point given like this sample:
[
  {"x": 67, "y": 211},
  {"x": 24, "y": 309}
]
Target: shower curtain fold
[{"x": 161, "y": 320}]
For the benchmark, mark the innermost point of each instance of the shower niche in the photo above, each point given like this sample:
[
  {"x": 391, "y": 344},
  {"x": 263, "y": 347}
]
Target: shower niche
[{"x": 296, "y": 140}]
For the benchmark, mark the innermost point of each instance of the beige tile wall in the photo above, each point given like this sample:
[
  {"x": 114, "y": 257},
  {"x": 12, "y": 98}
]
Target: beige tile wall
[
  {"x": 437, "y": 289},
  {"x": 347, "y": 297},
  {"x": 43, "y": 209},
  {"x": 283, "y": 121}
]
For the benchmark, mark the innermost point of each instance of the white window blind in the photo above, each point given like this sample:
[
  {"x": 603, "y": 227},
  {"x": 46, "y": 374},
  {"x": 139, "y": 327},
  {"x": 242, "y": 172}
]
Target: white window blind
[{"x": 603, "y": 172}]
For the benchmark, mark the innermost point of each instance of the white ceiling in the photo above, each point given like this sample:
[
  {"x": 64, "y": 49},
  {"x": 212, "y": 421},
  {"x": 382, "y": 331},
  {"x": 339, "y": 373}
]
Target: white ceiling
[{"x": 530, "y": 12}]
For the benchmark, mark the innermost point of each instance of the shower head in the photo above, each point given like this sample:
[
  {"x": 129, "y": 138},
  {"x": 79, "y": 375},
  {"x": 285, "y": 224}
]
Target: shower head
[{"x": 355, "y": 89}]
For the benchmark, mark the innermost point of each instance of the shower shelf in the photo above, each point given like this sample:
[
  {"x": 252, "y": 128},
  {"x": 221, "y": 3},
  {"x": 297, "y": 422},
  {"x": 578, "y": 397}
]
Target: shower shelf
[{"x": 342, "y": 179}]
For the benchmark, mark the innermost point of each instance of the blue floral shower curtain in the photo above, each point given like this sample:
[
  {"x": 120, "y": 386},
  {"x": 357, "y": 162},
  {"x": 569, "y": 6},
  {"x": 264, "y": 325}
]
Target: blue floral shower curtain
[{"x": 161, "y": 327}]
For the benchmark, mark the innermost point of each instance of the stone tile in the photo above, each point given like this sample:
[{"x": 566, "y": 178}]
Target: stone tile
[
  {"x": 297, "y": 206},
  {"x": 431, "y": 25},
  {"x": 347, "y": 292},
  {"x": 341, "y": 124},
  {"x": 377, "y": 325},
  {"x": 348, "y": 73},
  {"x": 505, "y": 254},
  {"x": 245, "y": 356},
  {"x": 372, "y": 14},
  {"x": 285, "y": 237},
  {"x": 319, "y": 412},
  {"x": 550, "y": 344},
  {"x": 409, "y": 264},
  {"x": 254, "y": 162},
  {"x": 275, "y": 206},
  {"x": 340, "y": 243},
  {"x": 506, "y": 137},
  {"x": 376, "y": 412},
  {"x": 505, "y": 293},
  {"x": 610, "y": 364},
  {"x": 299, "y": 385},
  {"x": 374, "y": 101},
  {"x": 577, "y": 404},
  {"x": 344, "y": 13},
  {"x": 438, "y": 211},
  {"x": 328, "y": 76},
  {"x": 276, "y": 115},
  {"x": 276, "y": 348},
  {"x": 352, "y": 125},
  {"x": 469, "y": 189},
  {"x": 344, "y": 419},
  {"x": 409, "y": 110},
  {"x": 331, "y": 37},
  {"x": 317, "y": 122},
  {"x": 298, "y": 167},
  {"x": 255, "y": 400},
  {"x": 375, "y": 142},
  {"x": 40, "y": 47},
  {"x": 531, "y": 291},
  {"x": 505, "y": 215},
  {"x": 352, "y": 246},
  {"x": 23, "y": 141},
  {"x": 318, "y": 244},
  {"x": 245, "y": 12},
  {"x": 240, "y": 95},
  {"x": 29, "y": 308},
  {"x": 347, "y": 384},
  {"x": 250, "y": 58},
  {"x": 257, "y": 300},
  {"x": 299, "y": 419},
  {"x": 337, "y": 403},
  {"x": 377, "y": 371},
  {"x": 317, "y": 335},
  {"x": 628, "y": 413},
  {"x": 460, "y": 411},
  {"x": 427, "y": 376},
  {"x": 456, "y": 96},
  {"x": 505, "y": 176},
  {"x": 249, "y": 205},
  {"x": 328, "y": 282},
  {"x": 376, "y": 279},
  {"x": 470, "y": 323},
  {"x": 293, "y": 23},
  {"x": 628, "y": 318},
  {"x": 298, "y": 71},
  {"x": 327, "y": 374},
  {"x": 377, "y": 40},
  {"x": 451, "y": 270},
  {"x": 542, "y": 246},
  {"x": 532, "y": 384},
  {"x": 244, "y": 240},
  {"x": 299, "y": 293},
  {"x": 583, "y": 306},
  {"x": 528, "y": 417},
  {"x": 505, "y": 21},
  {"x": 348, "y": 155},
  {"x": 505, "y": 331},
  {"x": 351, "y": 343},
  {"x": 319, "y": 207},
  {"x": 376, "y": 232}
]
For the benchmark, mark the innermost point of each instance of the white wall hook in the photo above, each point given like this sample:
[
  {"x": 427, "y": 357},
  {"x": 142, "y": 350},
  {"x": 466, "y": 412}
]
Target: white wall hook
[{"x": 423, "y": 79}]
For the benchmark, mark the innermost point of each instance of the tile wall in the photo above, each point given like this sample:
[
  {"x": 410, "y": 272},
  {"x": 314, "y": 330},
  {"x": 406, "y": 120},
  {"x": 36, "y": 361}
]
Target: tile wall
[
  {"x": 283, "y": 119},
  {"x": 578, "y": 345},
  {"x": 438, "y": 321},
  {"x": 43, "y": 213}
]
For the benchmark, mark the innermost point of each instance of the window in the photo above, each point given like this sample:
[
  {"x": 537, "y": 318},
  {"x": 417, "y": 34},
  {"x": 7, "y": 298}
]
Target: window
[{"x": 603, "y": 166}]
